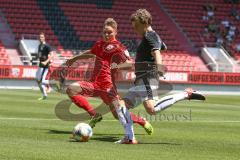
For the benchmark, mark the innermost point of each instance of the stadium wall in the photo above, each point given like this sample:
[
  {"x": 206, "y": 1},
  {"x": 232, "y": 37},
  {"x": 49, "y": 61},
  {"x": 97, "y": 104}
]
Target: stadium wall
[
  {"x": 22, "y": 77},
  {"x": 204, "y": 88}
]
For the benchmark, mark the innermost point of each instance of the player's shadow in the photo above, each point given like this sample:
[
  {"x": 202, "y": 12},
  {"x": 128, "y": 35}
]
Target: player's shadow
[
  {"x": 59, "y": 132},
  {"x": 116, "y": 134},
  {"x": 97, "y": 134},
  {"x": 106, "y": 138},
  {"x": 110, "y": 137},
  {"x": 97, "y": 137},
  {"x": 115, "y": 137}
]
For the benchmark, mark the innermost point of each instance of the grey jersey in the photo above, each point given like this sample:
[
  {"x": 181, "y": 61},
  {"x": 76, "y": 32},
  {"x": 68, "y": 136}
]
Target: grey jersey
[
  {"x": 43, "y": 53},
  {"x": 144, "y": 65}
]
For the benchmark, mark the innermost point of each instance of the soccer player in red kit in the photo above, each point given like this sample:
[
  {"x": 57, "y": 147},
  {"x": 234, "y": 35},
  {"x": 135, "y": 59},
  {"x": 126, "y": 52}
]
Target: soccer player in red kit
[{"x": 106, "y": 52}]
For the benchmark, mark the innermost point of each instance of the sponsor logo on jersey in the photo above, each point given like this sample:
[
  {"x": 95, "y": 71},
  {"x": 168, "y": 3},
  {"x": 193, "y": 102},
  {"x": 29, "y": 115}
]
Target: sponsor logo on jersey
[{"x": 110, "y": 48}]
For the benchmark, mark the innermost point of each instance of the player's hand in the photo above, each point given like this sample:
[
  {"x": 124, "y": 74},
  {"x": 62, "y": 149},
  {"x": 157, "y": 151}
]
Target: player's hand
[
  {"x": 160, "y": 69},
  {"x": 44, "y": 63},
  {"x": 114, "y": 66}
]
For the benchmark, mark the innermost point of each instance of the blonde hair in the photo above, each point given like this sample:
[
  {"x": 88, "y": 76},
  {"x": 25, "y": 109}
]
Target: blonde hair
[
  {"x": 143, "y": 16},
  {"x": 111, "y": 22}
]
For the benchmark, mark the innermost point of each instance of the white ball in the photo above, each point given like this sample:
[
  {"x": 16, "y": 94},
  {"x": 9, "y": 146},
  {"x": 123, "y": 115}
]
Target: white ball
[{"x": 82, "y": 132}]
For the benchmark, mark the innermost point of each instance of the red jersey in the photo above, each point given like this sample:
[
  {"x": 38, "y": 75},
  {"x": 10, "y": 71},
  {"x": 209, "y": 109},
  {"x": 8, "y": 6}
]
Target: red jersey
[{"x": 106, "y": 53}]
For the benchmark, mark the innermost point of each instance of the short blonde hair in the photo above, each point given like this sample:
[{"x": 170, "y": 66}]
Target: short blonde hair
[
  {"x": 111, "y": 22},
  {"x": 143, "y": 16}
]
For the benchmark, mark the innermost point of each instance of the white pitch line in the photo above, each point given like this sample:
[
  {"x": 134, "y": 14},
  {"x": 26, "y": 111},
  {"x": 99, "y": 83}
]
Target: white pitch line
[
  {"x": 108, "y": 120},
  {"x": 28, "y": 119},
  {"x": 210, "y": 121},
  {"x": 36, "y": 119}
]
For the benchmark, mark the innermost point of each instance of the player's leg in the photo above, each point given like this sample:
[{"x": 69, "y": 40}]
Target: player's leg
[
  {"x": 138, "y": 120},
  {"x": 126, "y": 121},
  {"x": 167, "y": 101},
  {"x": 45, "y": 82},
  {"x": 39, "y": 76},
  {"x": 48, "y": 81},
  {"x": 48, "y": 88},
  {"x": 154, "y": 106},
  {"x": 135, "y": 96},
  {"x": 146, "y": 92},
  {"x": 76, "y": 92},
  {"x": 110, "y": 97}
]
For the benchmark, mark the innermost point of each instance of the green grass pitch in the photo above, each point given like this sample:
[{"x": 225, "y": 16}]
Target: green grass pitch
[{"x": 190, "y": 130}]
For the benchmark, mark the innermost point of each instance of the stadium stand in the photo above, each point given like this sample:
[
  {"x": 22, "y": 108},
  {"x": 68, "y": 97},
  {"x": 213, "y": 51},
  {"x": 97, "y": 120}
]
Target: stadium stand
[
  {"x": 88, "y": 21},
  {"x": 26, "y": 18},
  {"x": 59, "y": 24},
  {"x": 88, "y": 24},
  {"x": 193, "y": 19},
  {"x": 76, "y": 24},
  {"x": 4, "y": 59}
]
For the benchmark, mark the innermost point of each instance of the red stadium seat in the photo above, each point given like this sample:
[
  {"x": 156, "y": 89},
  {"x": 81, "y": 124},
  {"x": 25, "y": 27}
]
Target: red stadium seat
[
  {"x": 22, "y": 15},
  {"x": 4, "y": 59},
  {"x": 188, "y": 14}
]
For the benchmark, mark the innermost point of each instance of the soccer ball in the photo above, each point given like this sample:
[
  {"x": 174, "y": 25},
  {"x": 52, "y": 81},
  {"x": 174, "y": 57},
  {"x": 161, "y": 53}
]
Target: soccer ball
[{"x": 82, "y": 132}]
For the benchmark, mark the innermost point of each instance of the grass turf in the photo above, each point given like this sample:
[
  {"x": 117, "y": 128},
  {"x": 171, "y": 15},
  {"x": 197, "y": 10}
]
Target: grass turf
[{"x": 30, "y": 130}]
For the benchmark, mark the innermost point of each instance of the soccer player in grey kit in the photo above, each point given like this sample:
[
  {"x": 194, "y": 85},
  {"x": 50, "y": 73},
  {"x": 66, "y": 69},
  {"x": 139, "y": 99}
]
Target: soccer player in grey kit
[
  {"x": 148, "y": 70},
  {"x": 44, "y": 52}
]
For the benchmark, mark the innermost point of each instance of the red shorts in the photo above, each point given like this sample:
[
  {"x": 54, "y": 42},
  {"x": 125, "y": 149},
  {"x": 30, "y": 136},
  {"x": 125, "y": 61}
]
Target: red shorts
[{"x": 92, "y": 89}]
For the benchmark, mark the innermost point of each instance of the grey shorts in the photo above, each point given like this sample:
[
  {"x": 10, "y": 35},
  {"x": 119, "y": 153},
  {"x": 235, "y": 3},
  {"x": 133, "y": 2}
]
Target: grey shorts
[
  {"x": 41, "y": 75},
  {"x": 144, "y": 89}
]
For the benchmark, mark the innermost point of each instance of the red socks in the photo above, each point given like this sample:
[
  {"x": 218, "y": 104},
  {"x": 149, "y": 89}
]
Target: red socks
[
  {"x": 138, "y": 120},
  {"x": 82, "y": 102}
]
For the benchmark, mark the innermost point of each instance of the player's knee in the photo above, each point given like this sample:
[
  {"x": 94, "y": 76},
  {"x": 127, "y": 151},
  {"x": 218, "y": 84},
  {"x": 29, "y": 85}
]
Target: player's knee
[
  {"x": 69, "y": 92},
  {"x": 73, "y": 89},
  {"x": 151, "y": 111},
  {"x": 113, "y": 110},
  {"x": 116, "y": 104},
  {"x": 149, "y": 108}
]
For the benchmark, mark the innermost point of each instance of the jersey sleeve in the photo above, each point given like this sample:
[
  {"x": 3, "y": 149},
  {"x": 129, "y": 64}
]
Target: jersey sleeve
[
  {"x": 49, "y": 48},
  {"x": 94, "y": 48},
  {"x": 154, "y": 42},
  {"x": 121, "y": 54},
  {"x": 120, "y": 57}
]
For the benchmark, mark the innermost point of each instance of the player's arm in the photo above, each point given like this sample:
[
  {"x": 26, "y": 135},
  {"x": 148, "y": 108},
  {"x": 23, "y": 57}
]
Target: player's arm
[
  {"x": 48, "y": 60},
  {"x": 157, "y": 45},
  {"x": 158, "y": 61},
  {"x": 125, "y": 65},
  {"x": 83, "y": 55},
  {"x": 122, "y": 61}
]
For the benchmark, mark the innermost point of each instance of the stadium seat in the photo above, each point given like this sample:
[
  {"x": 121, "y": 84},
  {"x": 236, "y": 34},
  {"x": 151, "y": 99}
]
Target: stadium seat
[
  {"x": 4, "y": 59},
  {"x": 86, "y": 18},
  {"x": 23, "y": 16},
  {"x": 188, "y": 15}
]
